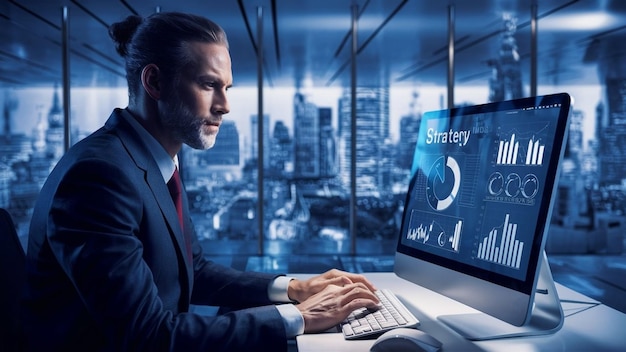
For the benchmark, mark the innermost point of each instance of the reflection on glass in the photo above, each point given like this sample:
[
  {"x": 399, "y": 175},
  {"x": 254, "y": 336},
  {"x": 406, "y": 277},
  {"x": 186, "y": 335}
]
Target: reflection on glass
[{"x": 306, "y": 138}]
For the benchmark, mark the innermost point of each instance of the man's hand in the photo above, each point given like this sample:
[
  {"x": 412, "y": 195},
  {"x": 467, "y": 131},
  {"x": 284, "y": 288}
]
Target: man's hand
[
  {"x": 299, "y": 290},
  {"x": 333, "y": 304}
]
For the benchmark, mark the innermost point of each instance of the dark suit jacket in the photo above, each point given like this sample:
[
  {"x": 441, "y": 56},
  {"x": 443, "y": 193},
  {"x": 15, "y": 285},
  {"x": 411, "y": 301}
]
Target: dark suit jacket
[{"x": 106, "y": 262}]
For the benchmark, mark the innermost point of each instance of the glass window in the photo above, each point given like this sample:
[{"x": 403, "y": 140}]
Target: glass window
[
  {"x": 306, "y": 135},
  {"x": 33, "y": 124},
  {"x": 589, "y": 209},
  {"x": 32, "y": 113}
]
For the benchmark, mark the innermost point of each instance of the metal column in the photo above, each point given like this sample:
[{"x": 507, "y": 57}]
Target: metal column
[
  {"x": 260, "y": 156},
  {"x": 66, "y": 77},
  {"x": 533, "y": 50},
  {"x": 353, "y": 205},
  {"x": 450, "y": 56}
]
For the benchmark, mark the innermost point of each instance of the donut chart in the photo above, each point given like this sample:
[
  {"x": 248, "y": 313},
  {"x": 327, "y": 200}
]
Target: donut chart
[{"x": 444, "y": 181}]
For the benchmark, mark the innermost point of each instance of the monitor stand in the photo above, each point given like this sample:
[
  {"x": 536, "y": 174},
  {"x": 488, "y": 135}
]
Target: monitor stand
[{"x": 546, "y": 316}]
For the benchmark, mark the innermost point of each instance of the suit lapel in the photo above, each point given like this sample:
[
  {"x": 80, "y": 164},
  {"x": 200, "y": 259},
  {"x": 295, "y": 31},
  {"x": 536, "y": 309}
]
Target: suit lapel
[{"x": 152, "y": 175}]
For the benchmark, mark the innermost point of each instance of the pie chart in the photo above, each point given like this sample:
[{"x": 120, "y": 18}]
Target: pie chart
[{"x": 444, "y": 181}]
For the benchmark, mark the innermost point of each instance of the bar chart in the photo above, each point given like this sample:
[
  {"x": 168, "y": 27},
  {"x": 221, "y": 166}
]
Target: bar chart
[
  {"x": 534, "y": 154},
  {"x": 509, "y": 152},
  {"x": 508, "y": 251}
]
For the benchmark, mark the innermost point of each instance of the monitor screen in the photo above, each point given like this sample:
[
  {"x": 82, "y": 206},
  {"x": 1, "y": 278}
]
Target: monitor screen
[{"x": 479, "y": 200}]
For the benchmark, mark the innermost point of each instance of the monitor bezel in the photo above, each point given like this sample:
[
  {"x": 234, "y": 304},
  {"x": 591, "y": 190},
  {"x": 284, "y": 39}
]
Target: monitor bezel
[{"x": 455, "y": 279}]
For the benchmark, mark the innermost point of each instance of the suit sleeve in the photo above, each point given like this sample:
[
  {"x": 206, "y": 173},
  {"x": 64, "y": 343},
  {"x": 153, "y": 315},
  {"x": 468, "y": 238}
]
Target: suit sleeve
[
  {"x": 94, "y": 221},
  {"x": 218, "y": 285}
]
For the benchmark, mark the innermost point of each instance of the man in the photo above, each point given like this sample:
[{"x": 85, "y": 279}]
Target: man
[{"x": 110, "y": 265}]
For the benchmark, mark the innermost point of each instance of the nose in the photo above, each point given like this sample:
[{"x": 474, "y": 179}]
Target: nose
[{"x": 220, "y": 103}]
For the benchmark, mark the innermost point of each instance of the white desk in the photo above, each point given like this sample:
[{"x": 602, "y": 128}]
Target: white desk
[{"x": 588, "y": 326}]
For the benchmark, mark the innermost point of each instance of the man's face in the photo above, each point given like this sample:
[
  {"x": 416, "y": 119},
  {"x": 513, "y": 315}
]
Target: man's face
[{"x": 192, "y": 110}]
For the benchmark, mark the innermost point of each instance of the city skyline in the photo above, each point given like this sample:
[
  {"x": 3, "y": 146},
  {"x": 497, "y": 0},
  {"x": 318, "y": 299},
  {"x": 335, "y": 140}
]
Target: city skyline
[
  {"x": 224, "y": 196},
  {"x": 92, "y": 106}
]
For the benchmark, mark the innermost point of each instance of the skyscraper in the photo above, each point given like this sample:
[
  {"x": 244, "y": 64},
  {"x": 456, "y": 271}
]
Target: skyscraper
[
  {"x": 281, "y": 151},
  {"x": 610, "y": 55},
  {"x": 613, "y": 142},
  {"x": 409, "y": 128},
  {"x": 55, "y": 133},
  {"x": 506, "y": 81},
  {"x": 255, "y": 139},
  {"x": 372, "y": 131},
  {"x": 306, "y": 138},
  {"x": 328, "y": 148}
]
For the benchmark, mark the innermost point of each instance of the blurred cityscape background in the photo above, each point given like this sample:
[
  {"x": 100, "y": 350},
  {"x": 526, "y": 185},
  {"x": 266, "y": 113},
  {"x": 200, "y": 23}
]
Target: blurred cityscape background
[{"x": 291, "y": 209}]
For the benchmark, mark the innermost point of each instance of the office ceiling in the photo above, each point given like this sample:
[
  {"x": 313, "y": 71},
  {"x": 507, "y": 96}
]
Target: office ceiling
[{"x": 307, "y": 42}]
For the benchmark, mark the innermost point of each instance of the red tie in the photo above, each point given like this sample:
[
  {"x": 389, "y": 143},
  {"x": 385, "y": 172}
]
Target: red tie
[{"x": 176, "y": 191}]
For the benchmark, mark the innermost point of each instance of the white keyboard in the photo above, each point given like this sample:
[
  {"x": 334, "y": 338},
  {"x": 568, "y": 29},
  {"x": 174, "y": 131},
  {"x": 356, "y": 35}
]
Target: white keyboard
[{"x": 363, "y": 323}]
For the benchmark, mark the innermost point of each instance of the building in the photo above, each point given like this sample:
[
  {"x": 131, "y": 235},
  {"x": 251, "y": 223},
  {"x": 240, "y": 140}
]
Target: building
[{"x": 372, "y": 132}]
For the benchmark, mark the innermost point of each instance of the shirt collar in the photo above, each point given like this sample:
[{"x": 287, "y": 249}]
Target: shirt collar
[{"x": 165, "y": 163}]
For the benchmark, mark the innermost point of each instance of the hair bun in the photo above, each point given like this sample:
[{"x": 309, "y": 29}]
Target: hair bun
[{"x": 122, "y": 33}]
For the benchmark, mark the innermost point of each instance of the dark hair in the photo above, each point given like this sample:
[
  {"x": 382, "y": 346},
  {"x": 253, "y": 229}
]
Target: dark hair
[{"x": 160, "y": 39}]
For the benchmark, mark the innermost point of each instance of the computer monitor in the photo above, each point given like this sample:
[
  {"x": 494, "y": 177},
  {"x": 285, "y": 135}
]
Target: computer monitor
[{"x": 477, "y": 212}]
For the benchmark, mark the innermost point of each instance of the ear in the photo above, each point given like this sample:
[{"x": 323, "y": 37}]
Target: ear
[{"x": 151, "y": 81}]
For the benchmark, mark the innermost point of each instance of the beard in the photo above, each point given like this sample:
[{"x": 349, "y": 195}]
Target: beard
[{"x": 184, "y": 125}]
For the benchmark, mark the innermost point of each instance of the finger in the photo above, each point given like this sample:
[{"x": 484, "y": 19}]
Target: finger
[
  {"x": 357, "y": 291},
  {"x": 339, "y": 281},
  {"x": 345, "y": 280},
  {"x": 363, "y": 279},
  {"x": 332, "y": 273},
  {"x": 358, "y": 303}
]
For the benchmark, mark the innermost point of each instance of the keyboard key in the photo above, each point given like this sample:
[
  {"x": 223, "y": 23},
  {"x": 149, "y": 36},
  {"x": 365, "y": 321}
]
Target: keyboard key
[{"x": 391, "y": 313}]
